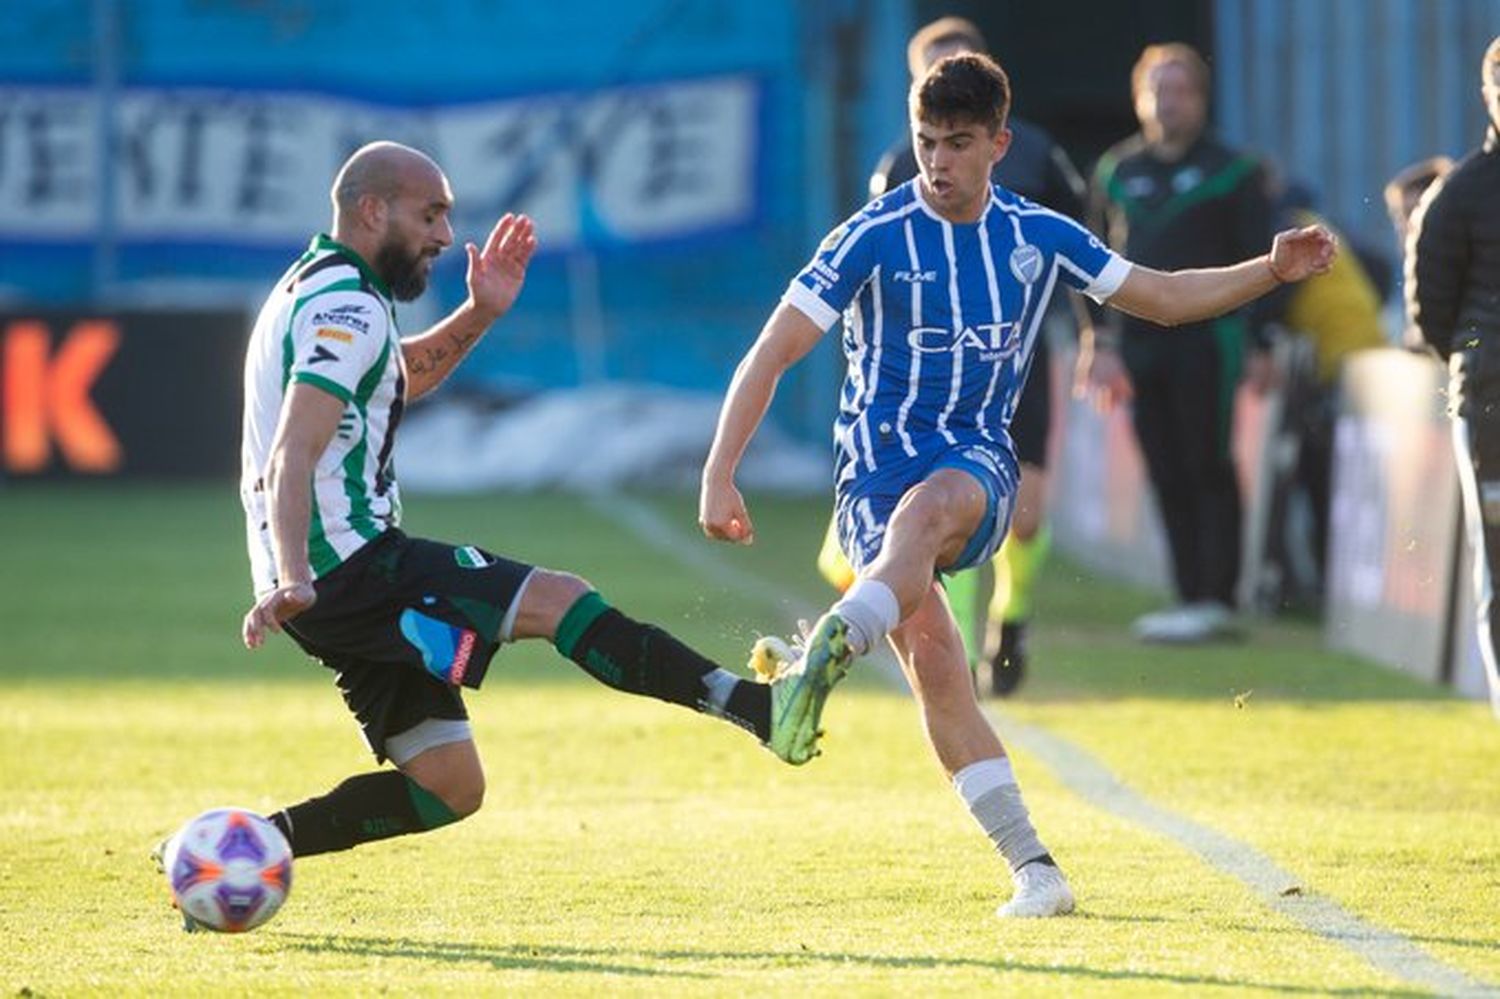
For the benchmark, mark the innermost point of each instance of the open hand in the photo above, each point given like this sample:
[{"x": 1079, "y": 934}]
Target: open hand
[
  {"x": 1297, "y": 254},
  {"x": 497, "y": 272},
  {"x": 281, "y": 604}
]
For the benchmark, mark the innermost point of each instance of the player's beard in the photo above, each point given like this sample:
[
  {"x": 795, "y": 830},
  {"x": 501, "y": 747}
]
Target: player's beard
[{"x": 402, "y": 270}]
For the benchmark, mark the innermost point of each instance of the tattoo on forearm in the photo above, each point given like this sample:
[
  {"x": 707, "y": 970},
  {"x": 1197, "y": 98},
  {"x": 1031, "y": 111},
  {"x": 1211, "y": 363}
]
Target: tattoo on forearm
[{"x": 432, "y": 358}]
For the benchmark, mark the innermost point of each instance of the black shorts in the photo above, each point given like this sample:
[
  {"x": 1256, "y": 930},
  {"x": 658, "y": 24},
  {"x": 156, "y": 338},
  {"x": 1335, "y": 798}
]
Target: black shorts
[
  {"x": 1032, "y": 424},
  {"x": 404, "y": 624}
]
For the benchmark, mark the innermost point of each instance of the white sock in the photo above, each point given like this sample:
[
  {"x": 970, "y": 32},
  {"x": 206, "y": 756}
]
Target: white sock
[
  {"x": 871, "y": 611},
  {"x": 989, "y": 789},
  {"x": 718, "y": 684}
]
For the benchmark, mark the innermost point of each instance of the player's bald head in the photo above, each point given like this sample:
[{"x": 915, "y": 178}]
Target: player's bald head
[{"x": 382, "y": 170}]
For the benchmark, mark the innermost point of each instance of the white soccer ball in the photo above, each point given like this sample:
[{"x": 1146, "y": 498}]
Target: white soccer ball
[{"x": 229, "y": 869}]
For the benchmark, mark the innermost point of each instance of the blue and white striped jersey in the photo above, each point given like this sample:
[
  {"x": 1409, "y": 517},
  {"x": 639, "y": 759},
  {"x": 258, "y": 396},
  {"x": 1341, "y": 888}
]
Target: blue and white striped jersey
[{"x": 940, "y": 318}]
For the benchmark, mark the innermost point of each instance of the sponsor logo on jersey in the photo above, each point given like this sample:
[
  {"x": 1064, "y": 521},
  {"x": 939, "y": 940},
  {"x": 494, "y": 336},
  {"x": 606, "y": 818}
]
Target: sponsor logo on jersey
[
  {"x": 1139, "y": 187},
  {"x": 344, "y": 315},
  {"x": 994, "y": 341},
  {"x": 914, "y": 277},
  {"x": 1026, "y": 263},
  {"x": 833, "y": 238},
  {"x": 321, "y": 354},
  {"x": 330, "y": 333},
  {"x": 461, "y": 657},
  {"x": 822, "y": 277},
  {"x": 471, "y": 558}
]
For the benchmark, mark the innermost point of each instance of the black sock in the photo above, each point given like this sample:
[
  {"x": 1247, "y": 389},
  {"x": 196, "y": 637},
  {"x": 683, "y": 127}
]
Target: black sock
[
  {"x": 749, "y": 706},
  {"x": 363, "y": 808},
  {"x": 643, "y": 659}
]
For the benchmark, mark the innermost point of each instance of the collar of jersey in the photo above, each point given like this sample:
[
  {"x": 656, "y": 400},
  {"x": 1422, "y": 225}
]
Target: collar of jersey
[
  {"x": 932, "y": 213},
  {"x": 322, "y": 241}
]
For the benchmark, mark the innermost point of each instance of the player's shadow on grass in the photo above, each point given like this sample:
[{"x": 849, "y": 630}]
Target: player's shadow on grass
[{"x": 598, "y": 960}]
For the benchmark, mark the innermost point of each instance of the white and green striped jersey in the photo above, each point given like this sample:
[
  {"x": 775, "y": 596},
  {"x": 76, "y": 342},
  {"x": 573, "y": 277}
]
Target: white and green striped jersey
[{"x": 329, "y": 323}]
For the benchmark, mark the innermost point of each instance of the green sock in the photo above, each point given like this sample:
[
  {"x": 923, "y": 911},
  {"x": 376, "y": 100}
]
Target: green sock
[
  {"x": 968, "y": 594},
  {"x": 1023, "y": 562}
]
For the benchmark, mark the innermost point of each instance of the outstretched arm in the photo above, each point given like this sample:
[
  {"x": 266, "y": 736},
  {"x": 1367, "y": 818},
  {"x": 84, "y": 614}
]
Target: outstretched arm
[
  {"x": 1169, "y": 298},
  {"x": 309, "y": 418},
  {"x": 786, "y": 338},
  {"x": 495, "y": 277}
]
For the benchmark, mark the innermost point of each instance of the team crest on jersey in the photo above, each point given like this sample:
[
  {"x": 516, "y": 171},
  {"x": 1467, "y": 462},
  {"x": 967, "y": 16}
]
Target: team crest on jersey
[
  {"x": 833, "y": 238},
  {"x": 1026, "y": 263},
  {"x": 1186, "y": 179}
]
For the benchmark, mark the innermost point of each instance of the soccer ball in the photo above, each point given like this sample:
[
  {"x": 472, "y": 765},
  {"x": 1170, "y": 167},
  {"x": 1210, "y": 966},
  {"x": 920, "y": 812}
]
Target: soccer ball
[{"x": 229, "y": 869}]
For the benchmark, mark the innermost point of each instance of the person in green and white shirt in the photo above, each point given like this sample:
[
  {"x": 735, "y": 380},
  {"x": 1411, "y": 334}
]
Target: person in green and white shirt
[{"x": 406, "y": 623}]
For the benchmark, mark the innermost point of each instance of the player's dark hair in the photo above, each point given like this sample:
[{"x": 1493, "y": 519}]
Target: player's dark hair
[
  {"x": 941, "y": 32},
  {"x": 968, "y": 88},
  {"x": 1181, "y": 53}
]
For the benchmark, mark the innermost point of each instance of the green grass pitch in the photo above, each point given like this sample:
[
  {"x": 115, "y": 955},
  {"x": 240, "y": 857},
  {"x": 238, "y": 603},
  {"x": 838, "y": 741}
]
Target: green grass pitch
[{"x": 631, "y": 848}]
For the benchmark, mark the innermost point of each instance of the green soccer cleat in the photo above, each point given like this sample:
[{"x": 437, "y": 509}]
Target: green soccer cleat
[{"x": 800, "y": 689}]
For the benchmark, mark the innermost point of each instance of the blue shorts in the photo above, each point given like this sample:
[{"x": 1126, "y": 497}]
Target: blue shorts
[{"x": 864, "y": 504}]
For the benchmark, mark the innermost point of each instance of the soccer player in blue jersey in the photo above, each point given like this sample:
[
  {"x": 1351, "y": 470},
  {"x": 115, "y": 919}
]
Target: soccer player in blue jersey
[{"x": 942, "y": 284}]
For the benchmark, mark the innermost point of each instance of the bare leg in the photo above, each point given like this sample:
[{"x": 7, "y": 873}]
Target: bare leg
[{"x": 931, "y": 653}]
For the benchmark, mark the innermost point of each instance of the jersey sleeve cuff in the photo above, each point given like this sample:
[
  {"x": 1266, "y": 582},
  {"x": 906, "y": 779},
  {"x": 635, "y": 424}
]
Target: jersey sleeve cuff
[
  {"x": 328, "y": 385},
  {"x": 1110, "y": 278},
  {"x": 804, "y": 301}
]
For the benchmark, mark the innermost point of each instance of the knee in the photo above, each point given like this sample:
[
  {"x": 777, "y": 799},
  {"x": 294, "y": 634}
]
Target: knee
[
  {"x": 465, "y": 797},
  {"x": 547, "y": 598}
]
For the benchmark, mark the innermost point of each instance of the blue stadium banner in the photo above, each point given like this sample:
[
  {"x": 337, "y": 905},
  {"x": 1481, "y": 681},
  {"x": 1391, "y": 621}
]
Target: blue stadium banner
[{"x": 622, "y": 165}]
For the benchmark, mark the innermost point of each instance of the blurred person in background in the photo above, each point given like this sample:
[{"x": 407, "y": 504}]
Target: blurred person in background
[
  {"x": 992, "y": 602},
  {"x": 942, "y": 285},
  {"x": 1330, "y": 317},
  {"x": 1453, "y": 301},
  {"x": 1403, "y": 192},
  {"x": 1173, "y": 196},
  {"x": 405, "y": 624}
]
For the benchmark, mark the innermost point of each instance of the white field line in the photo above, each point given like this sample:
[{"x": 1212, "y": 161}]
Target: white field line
[{"x": 1091, "y": 780}]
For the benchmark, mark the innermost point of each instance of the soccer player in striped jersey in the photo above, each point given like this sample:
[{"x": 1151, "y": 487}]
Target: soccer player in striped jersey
[
  {"x": 405, "y": 623},
  {"x": 941, "y": 285}
]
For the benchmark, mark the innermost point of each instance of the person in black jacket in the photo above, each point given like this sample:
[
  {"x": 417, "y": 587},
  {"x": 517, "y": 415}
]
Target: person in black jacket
[
  {"x": 1172, "y": 197},
  {"x": 1453, "y": 301}
]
